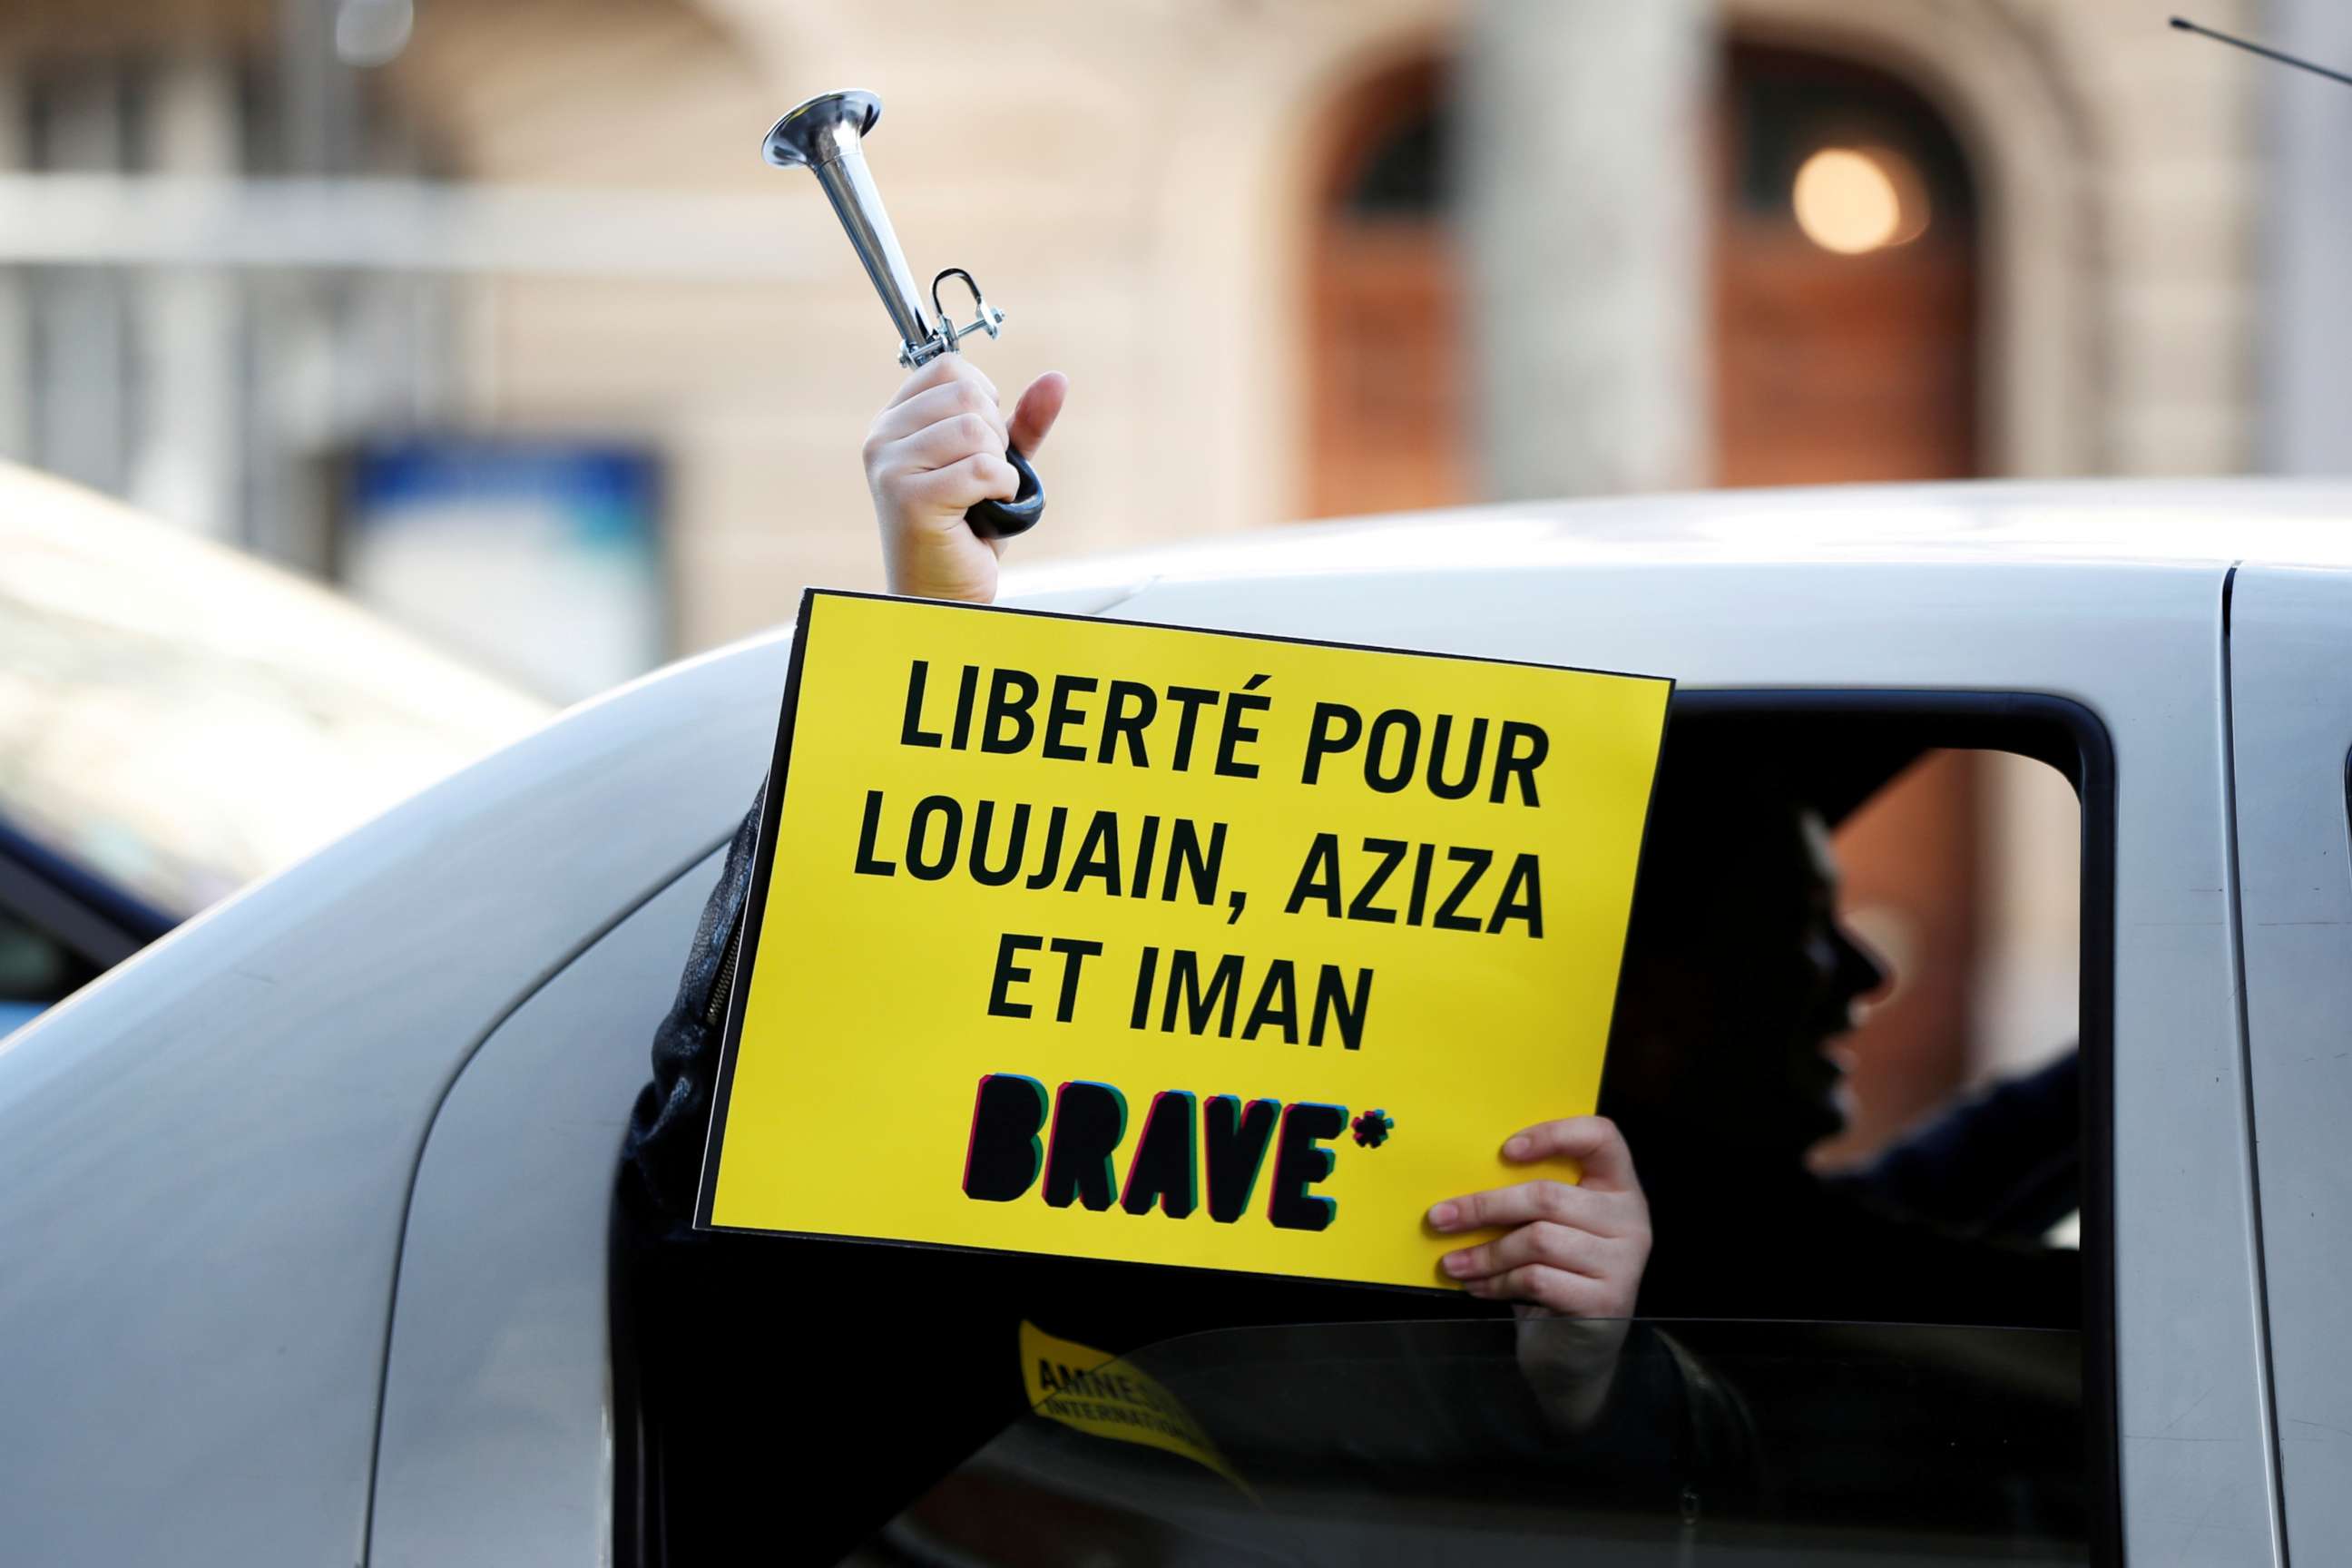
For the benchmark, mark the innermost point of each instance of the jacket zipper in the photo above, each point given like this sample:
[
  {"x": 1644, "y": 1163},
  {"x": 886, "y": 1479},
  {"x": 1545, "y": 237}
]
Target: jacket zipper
[{"x": 723, "y": 986}]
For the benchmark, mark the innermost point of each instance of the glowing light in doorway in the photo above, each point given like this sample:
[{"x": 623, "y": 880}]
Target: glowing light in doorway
[{"x": 1853, "y": 200}]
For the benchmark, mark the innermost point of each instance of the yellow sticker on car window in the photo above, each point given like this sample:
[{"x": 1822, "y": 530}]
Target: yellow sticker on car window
[
  {"x": 1093, "y": 1392},
  {"x": 1171, "y": 946}
]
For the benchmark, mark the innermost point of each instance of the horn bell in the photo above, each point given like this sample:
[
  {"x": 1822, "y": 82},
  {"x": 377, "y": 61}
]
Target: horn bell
[{"x": 827, "y": 127}]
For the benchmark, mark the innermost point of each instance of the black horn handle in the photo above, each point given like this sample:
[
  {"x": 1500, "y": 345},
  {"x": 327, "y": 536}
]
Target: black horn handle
[{"x": 1004, "y": 519}]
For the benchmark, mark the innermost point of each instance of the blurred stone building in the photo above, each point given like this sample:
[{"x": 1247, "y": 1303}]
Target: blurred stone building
[{"x": 1298, "y": 257}]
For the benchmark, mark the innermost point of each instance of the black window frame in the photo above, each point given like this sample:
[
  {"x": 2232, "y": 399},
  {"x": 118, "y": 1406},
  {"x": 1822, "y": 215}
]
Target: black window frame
[
  {"x": 2060, "y": 732},
  {"x": 2070, "y": 737}
]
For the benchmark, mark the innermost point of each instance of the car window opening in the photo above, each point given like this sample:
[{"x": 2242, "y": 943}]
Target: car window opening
[{"x": 1848, "y": 1057}]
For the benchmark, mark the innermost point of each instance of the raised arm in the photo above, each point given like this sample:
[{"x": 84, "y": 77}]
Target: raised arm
[{"x": 937, "y": 447}]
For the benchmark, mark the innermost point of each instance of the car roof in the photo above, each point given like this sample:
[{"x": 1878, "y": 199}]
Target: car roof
[
  {"x": 282, "y": 714},
  {"x": 2154, "y": 522}
]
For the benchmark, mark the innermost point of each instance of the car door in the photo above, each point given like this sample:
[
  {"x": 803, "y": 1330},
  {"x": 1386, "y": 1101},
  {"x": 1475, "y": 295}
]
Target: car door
[
  {"x": 2291, "y": 736},
  {"x": 496, "y": 1442}
]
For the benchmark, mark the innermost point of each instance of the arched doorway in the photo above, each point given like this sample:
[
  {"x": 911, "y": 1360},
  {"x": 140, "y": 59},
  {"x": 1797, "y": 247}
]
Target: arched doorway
[
  {"x": 1386, "y": 380},
  {"x": 1842, "y": 351}
]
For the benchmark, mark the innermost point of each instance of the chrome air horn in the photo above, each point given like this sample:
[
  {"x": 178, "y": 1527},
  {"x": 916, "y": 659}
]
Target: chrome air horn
[{"x": 826, "y": 136}]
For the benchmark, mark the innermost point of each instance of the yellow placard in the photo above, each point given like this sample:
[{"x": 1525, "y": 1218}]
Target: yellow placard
[
  {"x": 1129, "y": 941},
  {"x": 1082, "y": 1388}
]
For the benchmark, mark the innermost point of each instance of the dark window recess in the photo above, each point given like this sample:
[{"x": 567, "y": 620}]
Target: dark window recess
[
  {"x": 35, "y": 966},
  {"x": 1408, "y": 172},
  {"x": 60, "y": 927}
]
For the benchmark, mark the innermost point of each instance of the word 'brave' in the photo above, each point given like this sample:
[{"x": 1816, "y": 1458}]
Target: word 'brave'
[{"x": 1009, "y": 1148}]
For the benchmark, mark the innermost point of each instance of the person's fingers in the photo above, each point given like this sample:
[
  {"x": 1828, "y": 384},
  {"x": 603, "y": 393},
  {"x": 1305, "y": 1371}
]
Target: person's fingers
[
  {"x": 927, "y": 407},
  {"x": 1558, "y": 1246},
  {"x": 1593, "y": 1142},
  {"x": 939, "y": 372},
  {"x": 1574, "y": 1295},
  {"x": 1040, "y": 405},
  {"x": 938, "y": 445},
  {"x": 1554, "y": 1201},
  {"x": 983, "y": 476}
]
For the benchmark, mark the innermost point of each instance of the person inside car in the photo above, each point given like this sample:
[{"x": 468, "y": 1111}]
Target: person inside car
[{"x": 1738, "y": 978}]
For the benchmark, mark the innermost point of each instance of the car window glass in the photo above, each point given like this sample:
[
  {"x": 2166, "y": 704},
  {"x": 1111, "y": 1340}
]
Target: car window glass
[
  {"x": 36, "y": 970},
  {"x": 1418, "y": 1442}
]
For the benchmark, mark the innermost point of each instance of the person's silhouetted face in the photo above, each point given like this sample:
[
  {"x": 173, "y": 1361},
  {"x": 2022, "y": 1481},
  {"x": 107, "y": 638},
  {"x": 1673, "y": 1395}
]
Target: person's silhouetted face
[{"x": 1737, "y": 975}]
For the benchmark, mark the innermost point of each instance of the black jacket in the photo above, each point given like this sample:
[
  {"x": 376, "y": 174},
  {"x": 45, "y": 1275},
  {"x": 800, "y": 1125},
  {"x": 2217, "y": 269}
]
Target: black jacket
[{"x": 662, "y": 1157}]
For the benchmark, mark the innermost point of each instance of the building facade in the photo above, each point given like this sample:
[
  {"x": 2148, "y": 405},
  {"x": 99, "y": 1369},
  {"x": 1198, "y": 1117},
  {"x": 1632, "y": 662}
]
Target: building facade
[{"x": 1160, "y": 193}]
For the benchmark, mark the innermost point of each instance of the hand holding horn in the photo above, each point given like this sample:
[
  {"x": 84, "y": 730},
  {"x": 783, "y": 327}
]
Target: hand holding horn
[{"x": 826, "y": 136}]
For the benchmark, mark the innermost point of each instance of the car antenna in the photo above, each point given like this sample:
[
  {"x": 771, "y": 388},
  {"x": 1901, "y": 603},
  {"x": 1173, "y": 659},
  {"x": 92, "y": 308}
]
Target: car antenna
[{"x": 2186, "y": 26}]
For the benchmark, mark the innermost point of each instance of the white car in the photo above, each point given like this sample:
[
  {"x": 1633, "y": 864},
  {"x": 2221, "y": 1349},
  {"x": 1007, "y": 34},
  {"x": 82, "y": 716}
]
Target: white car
[{"x": 304, "y": 1211}]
